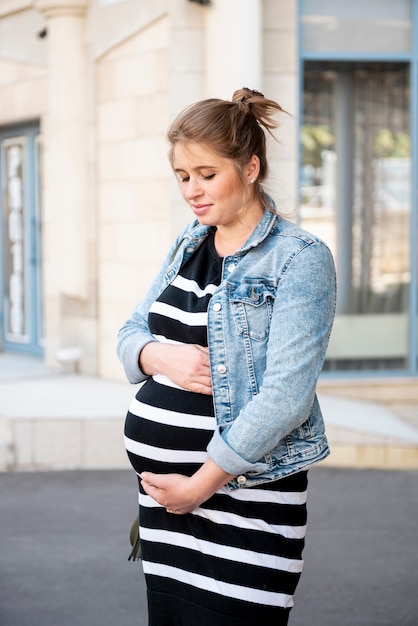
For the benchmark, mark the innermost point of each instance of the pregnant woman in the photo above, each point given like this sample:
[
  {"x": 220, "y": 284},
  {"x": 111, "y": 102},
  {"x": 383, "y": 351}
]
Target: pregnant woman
[{"x": 229, "y": 343}]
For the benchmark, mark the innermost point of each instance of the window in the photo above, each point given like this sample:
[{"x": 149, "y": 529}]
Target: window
[
  {"x": 20, "y": 241},
  {"x": 356, "y": 194}
]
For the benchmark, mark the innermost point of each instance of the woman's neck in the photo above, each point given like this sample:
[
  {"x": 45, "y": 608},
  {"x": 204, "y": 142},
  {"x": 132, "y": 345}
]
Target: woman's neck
[{"x": 228, "y": 240}]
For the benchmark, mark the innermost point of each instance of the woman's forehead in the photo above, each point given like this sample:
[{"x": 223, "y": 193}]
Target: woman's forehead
[{"x": 196, "y": 154}]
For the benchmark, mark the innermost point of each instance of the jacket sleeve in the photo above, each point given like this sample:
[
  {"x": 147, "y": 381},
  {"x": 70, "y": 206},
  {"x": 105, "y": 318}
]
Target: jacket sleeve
[
  {"x": 301, "y": 323},
  {"x": 135, "y": 332}
]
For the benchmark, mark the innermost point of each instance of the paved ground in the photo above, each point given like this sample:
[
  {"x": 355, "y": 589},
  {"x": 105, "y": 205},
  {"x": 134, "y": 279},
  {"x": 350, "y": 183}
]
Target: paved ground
[{"x": 64, "y": 546}]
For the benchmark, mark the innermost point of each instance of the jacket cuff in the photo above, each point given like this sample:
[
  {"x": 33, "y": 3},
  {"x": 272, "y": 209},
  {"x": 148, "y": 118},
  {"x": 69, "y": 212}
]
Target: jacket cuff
[
  {"x": 229, "y": 460},
  {"x": 130, "y": 358}
]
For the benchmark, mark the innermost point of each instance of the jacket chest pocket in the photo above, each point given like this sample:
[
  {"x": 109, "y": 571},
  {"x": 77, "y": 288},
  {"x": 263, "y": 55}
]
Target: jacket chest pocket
[{"x": 252, "y": 307}]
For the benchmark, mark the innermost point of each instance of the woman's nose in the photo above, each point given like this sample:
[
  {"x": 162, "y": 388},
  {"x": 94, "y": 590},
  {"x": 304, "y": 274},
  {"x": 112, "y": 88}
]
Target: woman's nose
[{"x": 193, "y": 188}]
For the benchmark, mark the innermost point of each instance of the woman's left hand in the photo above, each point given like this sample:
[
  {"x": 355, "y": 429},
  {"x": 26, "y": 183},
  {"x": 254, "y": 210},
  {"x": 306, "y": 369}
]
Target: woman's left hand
[
  {"x": 183, "y": 494},
  {"x": 173, "y": 491}
]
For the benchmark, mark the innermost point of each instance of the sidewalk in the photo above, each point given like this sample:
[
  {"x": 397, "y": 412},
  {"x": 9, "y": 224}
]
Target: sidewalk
[{"x": 50, "y": 419}]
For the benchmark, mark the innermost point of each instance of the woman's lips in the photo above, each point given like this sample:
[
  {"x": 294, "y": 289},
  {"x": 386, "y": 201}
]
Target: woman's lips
[{"x": 199, "y": 209}]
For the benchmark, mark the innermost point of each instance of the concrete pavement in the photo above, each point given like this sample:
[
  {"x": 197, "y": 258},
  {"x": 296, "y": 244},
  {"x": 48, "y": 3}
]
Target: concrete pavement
[
  {"x": 64, "y": 547},
  {"x": 64, "y": 534}
]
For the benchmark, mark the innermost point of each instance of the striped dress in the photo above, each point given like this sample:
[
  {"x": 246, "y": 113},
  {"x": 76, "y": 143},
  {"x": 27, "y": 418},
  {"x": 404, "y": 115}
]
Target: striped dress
[{"x": 236, "y": 559}]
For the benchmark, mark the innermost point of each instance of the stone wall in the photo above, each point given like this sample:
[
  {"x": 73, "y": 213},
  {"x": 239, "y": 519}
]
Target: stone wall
[{"x": 111, "y": 205}]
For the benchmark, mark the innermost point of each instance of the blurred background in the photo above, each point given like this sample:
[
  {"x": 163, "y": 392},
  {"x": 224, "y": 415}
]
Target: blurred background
[{"x": 89, "y": 204}]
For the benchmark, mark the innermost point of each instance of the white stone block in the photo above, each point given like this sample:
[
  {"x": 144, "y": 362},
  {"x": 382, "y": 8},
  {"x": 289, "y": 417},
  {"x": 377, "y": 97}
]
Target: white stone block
[
  {"x": 279, "y": 52},
  {"x": 133, "y": 76},
  {"x": 117, "y": 200},
  {"x": 24, "y": 100},
  {"x": 23, "y": 443},
  {"x": 116, "y": 119},
  {"x": 280, "y": 14},
  {"x": 284, "y": 89},
  {"x": 153, "y": 37},
  {"x": 130, "y": 200},
  {"x": 116, "y": 280},
  {"x": 152, "y": 114},
  {"x": 187, "y": 49},
  {"x": 186, "y": 88},
  {"x": 9, "y": 72},
  {"x": 57, "y": 443},
  {"x": 102, "y": 442},
  {"x": 7, "y": 449},
  {"x": 132, "y": 160}
]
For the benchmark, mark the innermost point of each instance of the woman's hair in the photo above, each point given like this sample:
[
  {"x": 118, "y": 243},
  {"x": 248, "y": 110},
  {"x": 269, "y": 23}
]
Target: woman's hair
[{"x": 235, "y": 129}]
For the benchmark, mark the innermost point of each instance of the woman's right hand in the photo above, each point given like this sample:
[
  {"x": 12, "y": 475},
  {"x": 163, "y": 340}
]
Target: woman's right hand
[{"x": 186, "y": 365}]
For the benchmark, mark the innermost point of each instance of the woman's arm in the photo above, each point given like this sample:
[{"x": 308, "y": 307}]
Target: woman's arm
[
  {"x": 135, "y": 334},
  {"x": 301, "y": 322},
  {"x": 182, "y": 494}
]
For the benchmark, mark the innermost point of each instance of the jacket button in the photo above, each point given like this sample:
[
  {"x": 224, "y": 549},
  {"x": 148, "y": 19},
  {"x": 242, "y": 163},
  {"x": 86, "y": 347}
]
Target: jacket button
[
  {"x": 221, "y": 368},
  {"x": 254, "y": 295},
  {"x": 217, "y": 306},
  {"x": 231, "y": 267},
  {"x": 241, "y": 480}
]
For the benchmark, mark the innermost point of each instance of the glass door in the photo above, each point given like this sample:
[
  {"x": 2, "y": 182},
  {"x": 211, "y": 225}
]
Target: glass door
[{"x": 20, "y": 249}]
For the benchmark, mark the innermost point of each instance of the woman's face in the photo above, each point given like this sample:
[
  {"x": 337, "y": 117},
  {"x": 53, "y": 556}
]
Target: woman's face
[{"x": 211, "y": 186}]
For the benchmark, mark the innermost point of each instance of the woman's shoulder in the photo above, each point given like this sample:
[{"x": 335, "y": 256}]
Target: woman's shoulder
[
  {"x": 293, "y": 242},
  {"x": 288, "y": 228}
]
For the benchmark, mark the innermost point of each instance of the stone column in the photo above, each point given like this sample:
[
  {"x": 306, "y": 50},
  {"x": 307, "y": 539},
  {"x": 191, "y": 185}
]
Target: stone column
[
  {"x": 65, "y": 166},
  {"x": 233, "y": 48}
]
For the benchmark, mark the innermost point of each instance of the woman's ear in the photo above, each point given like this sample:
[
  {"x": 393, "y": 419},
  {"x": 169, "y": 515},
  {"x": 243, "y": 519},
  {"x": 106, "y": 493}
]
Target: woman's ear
[{"x": 252, "y": 169}]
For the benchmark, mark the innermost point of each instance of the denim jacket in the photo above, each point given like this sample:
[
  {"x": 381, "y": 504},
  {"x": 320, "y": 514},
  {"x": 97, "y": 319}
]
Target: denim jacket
[{"x": 269, "y": 323}]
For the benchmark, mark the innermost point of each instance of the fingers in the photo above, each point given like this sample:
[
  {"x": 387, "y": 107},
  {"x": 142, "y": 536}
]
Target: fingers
[
  {"x": 149, "y": 479},
  {"x": 204, "y": 349},
  {"x": 168, "y": 491},
  {"x": 187, "y": 365},
  {"x": 190, "y": 368},
  {"x": 201, "y": 381}
]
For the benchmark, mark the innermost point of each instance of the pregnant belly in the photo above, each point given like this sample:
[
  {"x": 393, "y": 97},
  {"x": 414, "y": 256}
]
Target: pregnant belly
[{"x": 168, "y": 430}]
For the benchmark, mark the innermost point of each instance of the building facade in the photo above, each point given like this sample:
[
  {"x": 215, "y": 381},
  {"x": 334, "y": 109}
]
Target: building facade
[{"x": 89, "y": 205}]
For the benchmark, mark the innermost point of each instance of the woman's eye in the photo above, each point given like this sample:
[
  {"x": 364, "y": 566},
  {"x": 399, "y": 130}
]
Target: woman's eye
[{"x": 185, "y": 179}]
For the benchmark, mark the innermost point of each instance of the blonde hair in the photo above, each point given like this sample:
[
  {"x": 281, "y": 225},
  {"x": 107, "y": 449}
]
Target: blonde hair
[{"x": 235, "y": 129}]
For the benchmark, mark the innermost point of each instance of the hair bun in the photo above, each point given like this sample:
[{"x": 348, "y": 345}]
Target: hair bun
[{"x": 246, "y": 95}]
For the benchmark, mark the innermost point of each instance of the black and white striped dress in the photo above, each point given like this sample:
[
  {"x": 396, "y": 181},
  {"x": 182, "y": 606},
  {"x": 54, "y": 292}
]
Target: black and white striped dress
[{"x": 235, "y": 560}]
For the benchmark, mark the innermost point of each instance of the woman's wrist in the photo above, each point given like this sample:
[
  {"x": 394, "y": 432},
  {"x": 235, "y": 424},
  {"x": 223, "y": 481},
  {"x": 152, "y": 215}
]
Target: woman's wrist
[
  {"x": 208, "y": 479},
  {"x": 147, "y": 358}
]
